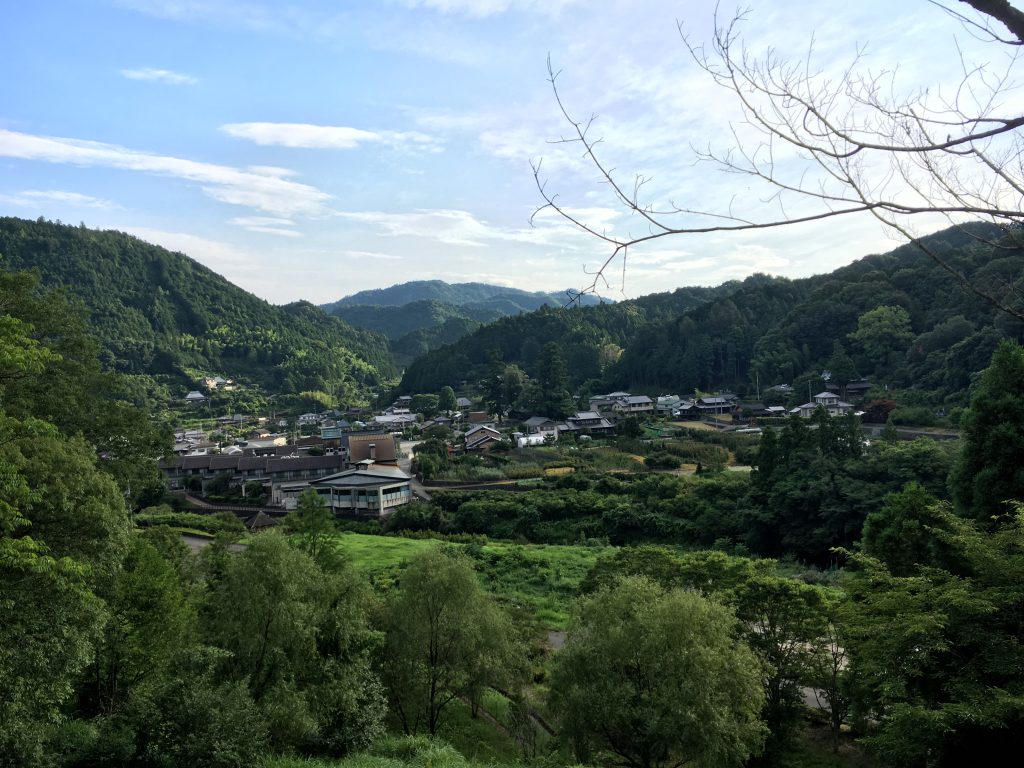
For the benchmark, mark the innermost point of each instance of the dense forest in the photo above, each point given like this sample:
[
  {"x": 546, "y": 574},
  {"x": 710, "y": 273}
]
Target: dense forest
[
  {"x": 164, "y": 316},
  {"x": 420, "y": 316},
  {"x": 897, "y": 319}
]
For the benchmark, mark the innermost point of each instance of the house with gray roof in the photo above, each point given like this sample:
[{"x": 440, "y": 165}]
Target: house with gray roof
[
  {"x": 829, "y": 401},
  {"x": 366, "y": 491}
]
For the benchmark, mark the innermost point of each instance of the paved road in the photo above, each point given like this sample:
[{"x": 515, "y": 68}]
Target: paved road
[{"x": 405, "y": 464}]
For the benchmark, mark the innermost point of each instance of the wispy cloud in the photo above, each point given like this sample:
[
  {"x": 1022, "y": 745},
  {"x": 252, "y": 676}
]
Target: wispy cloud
[
  {"x": 458, "y": 227},
  {"x": 159, "y": 76},
  {"x": 265, "y": 192},
  {"x": 307, "y": 136},
  {"x": 35, "y": 197},
  {"x": 267, "y": 225}
]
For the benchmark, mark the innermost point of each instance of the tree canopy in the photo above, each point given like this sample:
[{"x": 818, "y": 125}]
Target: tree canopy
[{"x": 652, "y": 678}]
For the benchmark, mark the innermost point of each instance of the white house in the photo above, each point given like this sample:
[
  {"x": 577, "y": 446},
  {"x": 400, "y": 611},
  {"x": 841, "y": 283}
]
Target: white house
[{"x": 829, "y": 401}]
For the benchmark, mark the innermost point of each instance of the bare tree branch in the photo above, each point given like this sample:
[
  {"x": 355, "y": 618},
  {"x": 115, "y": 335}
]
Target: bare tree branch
[{"x": 895, "y": 156}]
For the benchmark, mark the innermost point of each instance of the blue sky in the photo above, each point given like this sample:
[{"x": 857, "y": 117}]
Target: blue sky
[{"x": 314, "y": 149}]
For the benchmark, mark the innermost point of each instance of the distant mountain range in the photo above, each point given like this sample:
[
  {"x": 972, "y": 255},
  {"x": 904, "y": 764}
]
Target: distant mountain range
[
  {"x": 478, "y": 295},
  {"x": 168, "y": 320},
  {"x": 425, "y": 314}
]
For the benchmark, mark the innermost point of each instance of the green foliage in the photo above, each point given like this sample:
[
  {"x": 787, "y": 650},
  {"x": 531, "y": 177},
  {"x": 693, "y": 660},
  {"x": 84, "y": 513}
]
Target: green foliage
[
  {"x": 445, "y": 638},
  {"x": 651, "y": 678},
  {"x": 769, "y": 329},
  {"x": 446, "y": 401},
  {"x": 989, "y": 471},
  {"x": 164, "y": 515},
  {"x": 901, "y": 534},
  {"x": 298, "y": 638},
  {"x": 150, "y": 619},
  {"x": 882, "y": 333},
  {"x": 936, "y": 654},
  {"x": 313, "y": 523},
  {"x": 62, "y": 382},
  {"x": 162, "y": 314},
  {"x": 815, "y": 487}
]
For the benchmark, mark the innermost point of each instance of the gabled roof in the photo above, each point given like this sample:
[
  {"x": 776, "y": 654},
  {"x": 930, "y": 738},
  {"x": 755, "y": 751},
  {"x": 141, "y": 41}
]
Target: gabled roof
[
  {"x": 260, "y": 520},
  {"x": 639, "y": 400},
  {"x": 537, "y": 421}
]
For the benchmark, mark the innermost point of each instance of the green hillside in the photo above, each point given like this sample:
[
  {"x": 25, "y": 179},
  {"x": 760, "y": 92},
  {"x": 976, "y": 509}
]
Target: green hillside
[
  {"x": 774, "y": 330},
  {"x": 164, "y": 315},
  {"x": 421, "y": 316},
  {"x": 396, "y": 321},
  {"x": 591, "y": 337}
]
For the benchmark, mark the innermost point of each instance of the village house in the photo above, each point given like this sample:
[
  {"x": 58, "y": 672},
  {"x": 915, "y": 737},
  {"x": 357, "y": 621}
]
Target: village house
[
  {"x": 633, "y": 404},
  {"x": 482, "y": 437},
  {"x": 543, "y": 426},
  {"x": 587, "y": 423},
  {"x": 829, "y": 401},
  {"x": 666, "y": 404},
  {"x": 310, "y": 420}
]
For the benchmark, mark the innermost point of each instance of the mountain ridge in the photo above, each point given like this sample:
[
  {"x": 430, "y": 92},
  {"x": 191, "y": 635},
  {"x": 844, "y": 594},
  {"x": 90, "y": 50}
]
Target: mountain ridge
[{"x": 164, "y": 315}]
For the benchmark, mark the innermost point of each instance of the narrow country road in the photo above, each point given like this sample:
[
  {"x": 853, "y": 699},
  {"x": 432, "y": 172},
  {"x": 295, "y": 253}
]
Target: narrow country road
[{"x": 405, "y": 464}]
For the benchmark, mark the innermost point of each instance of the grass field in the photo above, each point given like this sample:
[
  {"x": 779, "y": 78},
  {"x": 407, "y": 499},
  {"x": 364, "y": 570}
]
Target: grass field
[
  {"x": 538, "y": 579},
  {"x": 695, "y": 425}
]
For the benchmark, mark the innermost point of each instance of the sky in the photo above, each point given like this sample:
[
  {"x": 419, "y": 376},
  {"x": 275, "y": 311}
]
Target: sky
[{"x": 312, "y": 149}]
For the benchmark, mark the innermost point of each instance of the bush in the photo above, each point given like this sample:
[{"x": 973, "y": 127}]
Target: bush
[
  {"x": 222, "y": 522},
  {"x": 662, "y": 460},
  {"x": 917, "y": 416}
]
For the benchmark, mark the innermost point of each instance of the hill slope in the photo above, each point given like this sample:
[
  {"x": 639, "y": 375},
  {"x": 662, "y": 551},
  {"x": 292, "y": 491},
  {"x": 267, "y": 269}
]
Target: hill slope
[
  {"x": 165, "y": 315},
  {"x": 772, "y": 330},
  {"x": 424, "y": 315}
]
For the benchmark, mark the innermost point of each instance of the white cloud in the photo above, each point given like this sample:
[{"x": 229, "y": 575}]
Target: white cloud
[
  {"x": 271, "y": 170},
  {"x": 35, "y": 196},
  {"x": 267, "y": 225},
  {"x": 457, "y": 227},
  {"x": 269, "y": 193},
  {"x": 159, "y": 76},
  {"x": 309, "y": 136}
]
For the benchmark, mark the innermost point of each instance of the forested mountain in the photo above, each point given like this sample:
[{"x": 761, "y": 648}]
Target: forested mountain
[
  {"x": 896, "y": 318},
  {"x": 424, "y": 315},
  {"x": 592, "y": 337},
  {"x": 479, "y": 295},
  {"x": 164, "y": 315}
]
